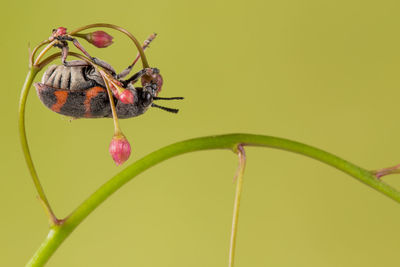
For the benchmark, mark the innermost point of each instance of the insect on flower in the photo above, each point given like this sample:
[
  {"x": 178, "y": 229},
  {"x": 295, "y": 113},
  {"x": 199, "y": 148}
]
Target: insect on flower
[
  {"x": 77, "y": 88},
  {"x": 91, "y": 88}
]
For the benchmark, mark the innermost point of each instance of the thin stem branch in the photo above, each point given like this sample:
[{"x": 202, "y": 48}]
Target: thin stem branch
[
  {"x": 239, "y": 185},
  {"x": 32, "y": 55},
  {"x": 59, "y": 233},
  {"x": 386, "y": 171},
  {"x": 44, "y": 51},
  {"x": 117, "y": 129}
]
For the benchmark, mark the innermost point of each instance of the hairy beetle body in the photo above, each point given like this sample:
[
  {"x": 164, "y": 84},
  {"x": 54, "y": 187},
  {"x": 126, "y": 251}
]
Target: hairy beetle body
[{"x": 80, "y": 92}]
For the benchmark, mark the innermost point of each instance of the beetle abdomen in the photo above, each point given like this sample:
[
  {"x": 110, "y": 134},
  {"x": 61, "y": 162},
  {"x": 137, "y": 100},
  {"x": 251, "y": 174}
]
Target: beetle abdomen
[
  {"x": 72, "y": 78},
  {"x": 90, "y": 103},
  {"x": 79, "y": 92}
]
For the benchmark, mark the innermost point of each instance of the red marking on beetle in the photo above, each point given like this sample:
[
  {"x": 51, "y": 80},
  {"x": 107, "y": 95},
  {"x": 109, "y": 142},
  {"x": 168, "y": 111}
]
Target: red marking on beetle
[
  {"x": 61, "y": 99},
  {"x": 92, "y": 92}
]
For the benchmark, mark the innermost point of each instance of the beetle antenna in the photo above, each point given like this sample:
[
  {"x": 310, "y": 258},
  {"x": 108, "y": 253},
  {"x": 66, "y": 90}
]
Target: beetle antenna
[
  {"x": 167, "y": 98},
  {"x": 172, "y": 110}
]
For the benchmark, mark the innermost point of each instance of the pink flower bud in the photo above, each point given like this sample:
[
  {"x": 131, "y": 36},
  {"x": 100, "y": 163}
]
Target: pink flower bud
[
  {"x": 59, "y": 31},
  {"x": 120, "y": 149},
  {"x": 126, "y": 97},
  {"x": 99, "y": 39}
]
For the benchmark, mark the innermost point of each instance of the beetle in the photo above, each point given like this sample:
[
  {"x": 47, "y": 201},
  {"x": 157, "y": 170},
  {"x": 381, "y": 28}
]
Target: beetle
[{"x": 78, "y": 90}]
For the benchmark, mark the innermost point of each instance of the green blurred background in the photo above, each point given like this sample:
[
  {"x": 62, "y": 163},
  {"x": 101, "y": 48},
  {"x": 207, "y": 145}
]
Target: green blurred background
[{"x": 320, "y": 72}]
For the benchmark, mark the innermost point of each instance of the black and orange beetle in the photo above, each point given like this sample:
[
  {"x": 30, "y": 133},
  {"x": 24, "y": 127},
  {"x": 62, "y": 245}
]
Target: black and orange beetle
[{"x": 79, "y": 91}]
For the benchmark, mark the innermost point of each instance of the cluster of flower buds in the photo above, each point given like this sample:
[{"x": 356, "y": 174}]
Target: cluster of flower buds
[
  {"x": 119, "y": 148},
  {"x": 99, "y": 39}
]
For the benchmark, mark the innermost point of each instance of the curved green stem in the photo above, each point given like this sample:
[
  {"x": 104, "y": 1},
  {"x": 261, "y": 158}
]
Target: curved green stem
[
  {"x": 59, "y": 233},
  {"x": 33, "y": 71},
  {"x": 115, "y": 27},
  {"x": 32, "y": 55},
  {"x": 24, "y": 142}
]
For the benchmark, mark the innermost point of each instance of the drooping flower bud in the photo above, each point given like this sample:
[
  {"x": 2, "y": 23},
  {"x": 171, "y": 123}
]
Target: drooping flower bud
[
  {"x": 122, "y": 94},
  {"x": 99, "y": 39},
  {"x": 120, "y": 149}
]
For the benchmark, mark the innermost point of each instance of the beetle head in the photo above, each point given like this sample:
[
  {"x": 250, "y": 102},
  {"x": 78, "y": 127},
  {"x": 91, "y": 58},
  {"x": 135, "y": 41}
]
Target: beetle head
[
  {"x": 152, "y": 82},
  {"x": 153, "y": 78},
  {"x": 142, "y": 99}
]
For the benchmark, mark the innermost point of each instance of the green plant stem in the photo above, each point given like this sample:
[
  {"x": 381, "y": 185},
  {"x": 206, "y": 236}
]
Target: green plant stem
[
  {"x": 33, "y": 71},
  {"x": 58, "y": 233},
  {"x": 24, "y": 143}
]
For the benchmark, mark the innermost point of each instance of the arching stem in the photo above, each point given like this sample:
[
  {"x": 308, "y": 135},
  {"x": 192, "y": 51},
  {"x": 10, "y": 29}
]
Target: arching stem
[
  {"x": 32, "y": 55},
  {"x": 37, "y": 67},
  {"x": 25, "y": 147},
  {"x": 43, "y": 52},
  {"x": 115, "y": 27}
]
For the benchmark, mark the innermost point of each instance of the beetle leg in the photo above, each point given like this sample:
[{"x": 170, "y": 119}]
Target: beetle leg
[
  {"x": 124, "y": 72},
  {"x": 135, "y": 77},
  {"x": 129, "y": 68},
  {"x": 73, "y": 63},
  {"x": 96, "y": 61},
  {"x": 104, "y": 64},
  {"x": 64, "y": 54},
  {"x": 76, "y": 63}
]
